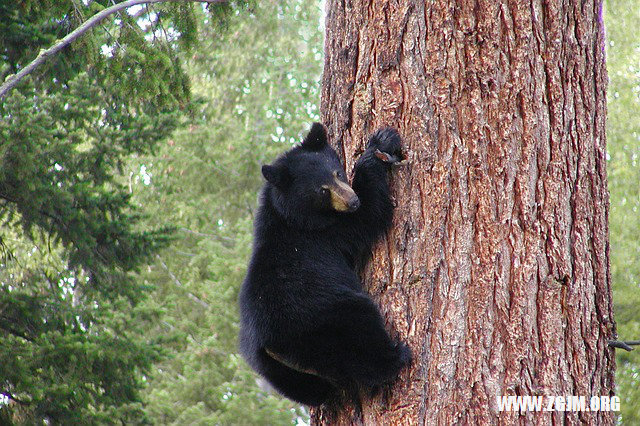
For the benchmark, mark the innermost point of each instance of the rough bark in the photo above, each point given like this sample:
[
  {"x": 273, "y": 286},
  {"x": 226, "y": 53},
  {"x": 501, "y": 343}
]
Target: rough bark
[{"x": 496, "y": 271}]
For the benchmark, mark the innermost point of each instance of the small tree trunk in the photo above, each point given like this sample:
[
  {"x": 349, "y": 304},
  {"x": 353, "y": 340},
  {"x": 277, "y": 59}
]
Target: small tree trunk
[{"x": 496, "y": 271}]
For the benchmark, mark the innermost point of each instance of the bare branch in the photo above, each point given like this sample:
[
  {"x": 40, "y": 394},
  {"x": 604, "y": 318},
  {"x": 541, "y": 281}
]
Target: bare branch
[
  {"x": 42, "y": 57},
  {"x": 13, "y": 398},
  {"x": 624, "y": 345},
  {"x": 226, "y": 241},
  {"x": 179, "y": 284}
]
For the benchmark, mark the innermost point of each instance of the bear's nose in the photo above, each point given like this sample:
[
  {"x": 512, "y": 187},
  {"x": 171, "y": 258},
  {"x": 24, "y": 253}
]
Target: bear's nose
[{"x": 353, "y": 203}]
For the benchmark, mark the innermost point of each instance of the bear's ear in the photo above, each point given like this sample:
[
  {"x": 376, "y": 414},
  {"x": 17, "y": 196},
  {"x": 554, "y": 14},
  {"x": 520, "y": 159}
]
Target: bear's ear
[
  {"x": 316, "y": 139},
  {"x": 276, "y": 174}
]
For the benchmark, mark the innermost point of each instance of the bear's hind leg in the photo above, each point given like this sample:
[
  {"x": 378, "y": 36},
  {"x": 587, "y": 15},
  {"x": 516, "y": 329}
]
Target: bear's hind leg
[
  {"x": 302, "y": 387},
  {"x": 352, "y": 345}
]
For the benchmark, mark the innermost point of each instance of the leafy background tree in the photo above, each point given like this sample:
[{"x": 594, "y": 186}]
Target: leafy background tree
[
  {"x": 623, "y": 138},
  {"x": 90, "y": 181},
  {"x": 70, "y": 345},
  {"x": 128, "y": 179}
]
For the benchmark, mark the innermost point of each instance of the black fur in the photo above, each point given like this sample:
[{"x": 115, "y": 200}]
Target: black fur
[{"x": 306, "y": 324}]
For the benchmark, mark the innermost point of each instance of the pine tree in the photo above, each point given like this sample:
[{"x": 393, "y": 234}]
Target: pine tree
[{"x": 70, "y": 348}]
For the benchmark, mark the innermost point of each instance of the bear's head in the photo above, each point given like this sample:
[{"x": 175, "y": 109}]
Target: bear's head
[{"x": 307, "y": 184}]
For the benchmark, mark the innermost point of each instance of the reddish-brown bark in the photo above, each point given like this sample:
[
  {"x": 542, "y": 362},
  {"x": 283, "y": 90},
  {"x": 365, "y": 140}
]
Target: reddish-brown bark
[{"x": 496, "y": 270}]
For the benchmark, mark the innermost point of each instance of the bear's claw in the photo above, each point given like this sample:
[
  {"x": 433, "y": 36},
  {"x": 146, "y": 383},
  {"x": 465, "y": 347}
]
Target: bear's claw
[
  {"x": 386, "y": 144},
  {"x": 386, "y": 157}
]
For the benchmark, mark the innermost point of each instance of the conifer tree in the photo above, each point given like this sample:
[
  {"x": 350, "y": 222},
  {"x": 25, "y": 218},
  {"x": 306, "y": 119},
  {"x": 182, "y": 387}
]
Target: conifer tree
[{"x": 70, "y": 237}]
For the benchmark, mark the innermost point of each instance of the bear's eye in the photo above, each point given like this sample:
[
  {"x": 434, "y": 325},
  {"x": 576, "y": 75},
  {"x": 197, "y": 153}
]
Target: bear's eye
[{"x": 324, "y": 190}]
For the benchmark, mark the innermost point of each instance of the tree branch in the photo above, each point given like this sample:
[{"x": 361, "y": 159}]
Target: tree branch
[
  {"x": 13, "y": 398},
  {"x": 13, "y": 331},
  {"x": 179, "y": 284},
  {"x": 226, "y": 241},
  {"x": 42, "y": 57},
  {"x": 623, "y": 345}
]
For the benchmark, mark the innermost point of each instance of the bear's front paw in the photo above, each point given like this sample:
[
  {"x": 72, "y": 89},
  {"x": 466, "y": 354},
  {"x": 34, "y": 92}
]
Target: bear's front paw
[{"x": 386, "y": 145}]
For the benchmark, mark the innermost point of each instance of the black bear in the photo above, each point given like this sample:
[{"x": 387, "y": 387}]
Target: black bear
[{"x": 306, "y": 324}]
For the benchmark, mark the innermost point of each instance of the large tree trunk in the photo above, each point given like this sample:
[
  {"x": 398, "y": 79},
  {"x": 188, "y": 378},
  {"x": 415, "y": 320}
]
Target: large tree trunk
[{"x": 496, "y": 271}]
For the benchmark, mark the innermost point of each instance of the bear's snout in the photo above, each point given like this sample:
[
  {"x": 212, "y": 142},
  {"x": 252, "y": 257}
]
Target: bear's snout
[
  {"x": 343, "y": 198},
  {"x": 353, "y": 204}
]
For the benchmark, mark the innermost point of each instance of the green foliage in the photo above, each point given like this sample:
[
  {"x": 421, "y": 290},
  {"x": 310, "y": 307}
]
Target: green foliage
[
  {"x": 257, "y": 91},
  {"x": 86, "y": 192},
  {"x": 72, "y": 343},
  {"x": 623, "y": 135},
  {"x": 58, "y": 157},
  {"x": 29, "y": 26}
]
